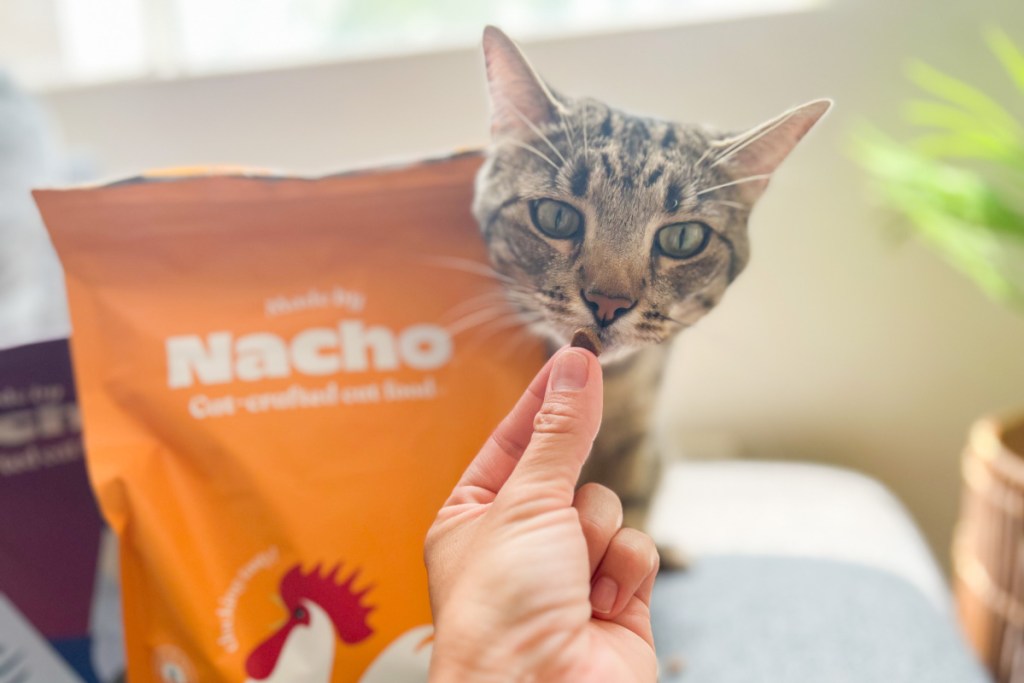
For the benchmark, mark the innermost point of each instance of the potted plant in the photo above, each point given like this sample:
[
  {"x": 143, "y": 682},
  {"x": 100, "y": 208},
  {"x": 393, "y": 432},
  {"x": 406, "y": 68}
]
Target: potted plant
[{"x": 960, "y": 186}]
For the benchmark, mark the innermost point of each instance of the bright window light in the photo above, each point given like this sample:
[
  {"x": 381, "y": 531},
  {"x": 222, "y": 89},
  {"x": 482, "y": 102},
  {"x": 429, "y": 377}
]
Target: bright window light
[
  {"x": 101, "y": 39},
  {"x": 59, "y": 43}
]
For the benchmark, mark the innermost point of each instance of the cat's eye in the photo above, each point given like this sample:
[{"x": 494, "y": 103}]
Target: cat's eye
[
  {"x": 683, "y": 240},
  {"x": 555, "y": 219}
]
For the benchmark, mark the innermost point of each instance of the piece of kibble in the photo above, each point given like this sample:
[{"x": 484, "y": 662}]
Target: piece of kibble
[{"x": 585, "y": 339}]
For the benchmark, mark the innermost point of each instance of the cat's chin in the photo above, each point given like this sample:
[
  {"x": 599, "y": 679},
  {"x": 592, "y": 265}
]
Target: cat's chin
[{"x": 617, "y": 353}]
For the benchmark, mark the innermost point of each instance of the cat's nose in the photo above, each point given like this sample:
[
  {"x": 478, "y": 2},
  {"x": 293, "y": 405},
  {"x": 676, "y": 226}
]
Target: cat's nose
[{"x": 607, "y": 309}]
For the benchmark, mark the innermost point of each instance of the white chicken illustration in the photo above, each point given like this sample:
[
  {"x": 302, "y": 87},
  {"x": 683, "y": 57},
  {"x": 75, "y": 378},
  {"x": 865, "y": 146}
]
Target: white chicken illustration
[
  {"x": 320, "y": 612},
  {"x": 405, "y": 660}
]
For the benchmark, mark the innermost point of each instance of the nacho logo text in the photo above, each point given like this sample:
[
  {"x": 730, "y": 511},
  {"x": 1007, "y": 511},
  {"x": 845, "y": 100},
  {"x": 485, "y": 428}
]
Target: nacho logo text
[{"x": 351, "y": 346}]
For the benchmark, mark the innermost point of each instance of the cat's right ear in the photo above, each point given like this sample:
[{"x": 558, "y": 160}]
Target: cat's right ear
[
  {"x": 753, "y": 156},
  {"x": 520, "y": 101}
]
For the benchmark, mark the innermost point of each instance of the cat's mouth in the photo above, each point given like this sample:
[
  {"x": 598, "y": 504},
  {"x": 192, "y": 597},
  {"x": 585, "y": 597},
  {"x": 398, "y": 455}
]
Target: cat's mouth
[
  {"x": 614, "y": 344},
  {"x": 557, "y": 324}
]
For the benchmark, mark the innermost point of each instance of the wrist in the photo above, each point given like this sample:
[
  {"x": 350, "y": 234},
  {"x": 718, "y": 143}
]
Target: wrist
[
  {"x": 472, "y": 655},
  {"x": 448, "y": 668}
]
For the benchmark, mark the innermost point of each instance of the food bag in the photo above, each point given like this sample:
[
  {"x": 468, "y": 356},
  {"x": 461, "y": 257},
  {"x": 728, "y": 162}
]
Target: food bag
[{"x": 280, "y": 380}]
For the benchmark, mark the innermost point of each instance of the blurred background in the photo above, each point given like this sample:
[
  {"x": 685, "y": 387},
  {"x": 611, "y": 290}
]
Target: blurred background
[{"x": 845, "y": 342}]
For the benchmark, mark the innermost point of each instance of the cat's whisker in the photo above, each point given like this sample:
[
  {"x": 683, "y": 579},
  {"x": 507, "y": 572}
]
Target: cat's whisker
[
  {"x": 512, "y": 300},
  {"x": 537, "y": 131},
  {"x": 518, "y": 336},
  {"x": 521, "y": 303},
  {"x": 712, "y": 149},
  {"x": 469, "y": 266},
  {"x": 518, "y": 293},
  {"x": 474, "y": 304},
  {"x": 719, "y": 150},
  {"x": 748, "y": 179},
  {"x": 569, "y": 135},
  {"x": 670, "y": 319},
  {"x": 500, "y": 324},
  {"x": 530, "y": 148},
  {"x": 586, "y": 114},
  {"x": 690, "y": 198},
  {"x": 746, "y": 141},
  {"x": 731, "y": 204},
  {"x": 520, "y": 321},
  {"x": 735, "y": 144},
  {"x": 515, "y": 342},
  {"x": 477, "y": 318}
]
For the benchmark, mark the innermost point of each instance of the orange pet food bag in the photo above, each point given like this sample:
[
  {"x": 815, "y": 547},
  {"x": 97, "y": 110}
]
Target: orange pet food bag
[{"x": 280, "y": 381}]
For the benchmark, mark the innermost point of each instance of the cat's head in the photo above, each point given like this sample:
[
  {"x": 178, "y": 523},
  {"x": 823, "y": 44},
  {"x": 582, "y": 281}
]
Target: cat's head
[{"x": 631, "y": 226}]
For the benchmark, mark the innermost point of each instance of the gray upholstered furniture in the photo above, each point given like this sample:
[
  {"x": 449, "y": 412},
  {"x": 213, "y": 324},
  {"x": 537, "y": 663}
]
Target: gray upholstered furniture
[{"x": 801, "y": 574}]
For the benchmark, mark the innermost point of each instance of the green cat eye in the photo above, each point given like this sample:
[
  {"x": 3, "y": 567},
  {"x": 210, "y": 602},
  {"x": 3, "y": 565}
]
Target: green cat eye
[
  {"x": 555, "y": 219},
  {"x": 683, "y": 240}
]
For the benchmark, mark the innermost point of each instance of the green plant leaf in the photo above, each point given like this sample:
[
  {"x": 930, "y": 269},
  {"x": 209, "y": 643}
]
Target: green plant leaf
[
  {"x": 958, "y": 184},
  {"x": 1011, "y": 58},
  {"x": 957, "y": 92},
  {"x": 912, "y": 180},
  {"x": 930, "y": 114},
  {"x": 992, "y": 261},
  {"x": 966, "y": 145}
]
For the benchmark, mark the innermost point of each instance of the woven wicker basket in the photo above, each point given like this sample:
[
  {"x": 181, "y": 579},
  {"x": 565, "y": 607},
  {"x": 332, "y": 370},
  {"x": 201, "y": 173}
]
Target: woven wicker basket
[{"x": 988, "y": 547}]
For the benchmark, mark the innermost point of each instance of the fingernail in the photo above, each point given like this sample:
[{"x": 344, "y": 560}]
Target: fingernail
[
  {"x": 603, "y": 594},
  {"x": 570, "y": 371}
]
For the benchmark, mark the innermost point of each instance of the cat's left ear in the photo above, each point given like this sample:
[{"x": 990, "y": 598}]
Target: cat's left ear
[
  {"x": 520, "y": 101},
  {"x": 756, "y": 153}
]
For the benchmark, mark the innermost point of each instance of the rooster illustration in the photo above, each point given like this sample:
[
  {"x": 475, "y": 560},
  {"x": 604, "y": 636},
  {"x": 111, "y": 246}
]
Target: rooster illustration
[
  {"x": 404, "y": 660},
  {"x": 319, "y": 611}
]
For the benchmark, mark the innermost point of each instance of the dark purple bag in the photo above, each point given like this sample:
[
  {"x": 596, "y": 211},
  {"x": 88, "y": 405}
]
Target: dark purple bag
[{"x": 49, "y": 523}]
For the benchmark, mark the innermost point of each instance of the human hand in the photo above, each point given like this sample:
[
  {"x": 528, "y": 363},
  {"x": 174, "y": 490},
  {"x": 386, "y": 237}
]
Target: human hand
[{"x": 531, "y": 580}]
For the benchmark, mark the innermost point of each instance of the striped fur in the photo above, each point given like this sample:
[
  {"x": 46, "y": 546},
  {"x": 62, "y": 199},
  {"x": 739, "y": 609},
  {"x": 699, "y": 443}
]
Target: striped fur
[
  {"x": 631, "y": 176},
  {"x": 628, "y": 176}
]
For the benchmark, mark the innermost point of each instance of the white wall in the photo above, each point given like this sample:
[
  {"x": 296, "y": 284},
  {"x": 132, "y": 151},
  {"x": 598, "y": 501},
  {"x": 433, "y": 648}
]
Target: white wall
[{"x": 838, "y": 344}]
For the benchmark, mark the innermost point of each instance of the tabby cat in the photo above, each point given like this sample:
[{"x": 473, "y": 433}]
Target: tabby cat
[{"x": 631, "y": 226}]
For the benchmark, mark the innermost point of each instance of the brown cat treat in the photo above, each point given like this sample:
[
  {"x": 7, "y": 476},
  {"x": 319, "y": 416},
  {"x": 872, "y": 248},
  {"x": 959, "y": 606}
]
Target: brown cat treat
[{"x": 585, "y": 339}]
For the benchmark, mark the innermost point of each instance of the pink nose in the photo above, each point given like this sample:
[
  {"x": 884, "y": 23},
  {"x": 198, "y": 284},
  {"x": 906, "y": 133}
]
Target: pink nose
[{"x": 607, "y": 309}]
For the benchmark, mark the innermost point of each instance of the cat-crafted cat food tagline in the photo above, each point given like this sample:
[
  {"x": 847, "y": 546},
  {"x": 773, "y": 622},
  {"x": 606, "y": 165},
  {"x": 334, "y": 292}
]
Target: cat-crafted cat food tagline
[{"x": 351, "y": 351}]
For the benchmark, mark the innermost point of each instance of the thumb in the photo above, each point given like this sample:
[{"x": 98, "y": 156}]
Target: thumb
[{"x": 563, "y": 429}]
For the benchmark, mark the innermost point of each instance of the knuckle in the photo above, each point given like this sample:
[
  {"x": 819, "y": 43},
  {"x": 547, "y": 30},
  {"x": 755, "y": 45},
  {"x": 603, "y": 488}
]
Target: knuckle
[
  {"x": 557, "y": 417},
  {"x": 593, "y": 490},
  {"x": 636, "y": 545},
  {"x": 600, "y": 501},
  {"x": 596, "y": 525},
  {"x": 505, "y": 444}
]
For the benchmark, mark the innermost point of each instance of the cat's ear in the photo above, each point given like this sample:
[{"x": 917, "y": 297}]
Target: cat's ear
[
  {"x": 756, "y": 153},
  {"x": 519, "y": 98}
]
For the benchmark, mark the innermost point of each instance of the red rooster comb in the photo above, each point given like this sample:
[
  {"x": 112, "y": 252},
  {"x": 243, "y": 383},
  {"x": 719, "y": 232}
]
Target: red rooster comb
[{"x": 342, "y": 603}]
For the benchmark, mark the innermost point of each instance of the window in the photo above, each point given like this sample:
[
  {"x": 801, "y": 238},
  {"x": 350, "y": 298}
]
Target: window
[{"x": 55, "y": 43}]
